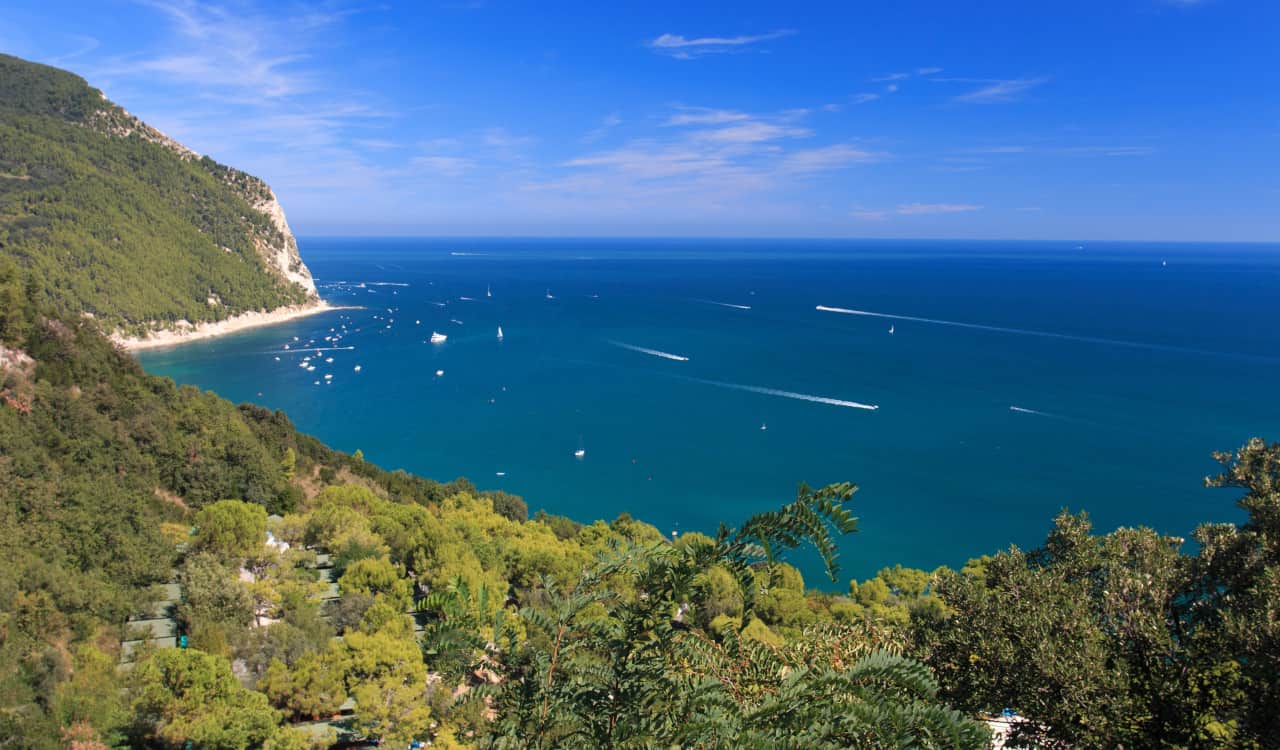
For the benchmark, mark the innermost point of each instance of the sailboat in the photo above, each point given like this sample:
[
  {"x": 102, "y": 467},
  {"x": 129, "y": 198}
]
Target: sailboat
[
  {"x": 438, "y": 338},
  {"x": 488, "y": 291},
  {"x": 890, "y": 329},
  {"x": 549, "y": 296},
  {"x": 499, "y": 333}
]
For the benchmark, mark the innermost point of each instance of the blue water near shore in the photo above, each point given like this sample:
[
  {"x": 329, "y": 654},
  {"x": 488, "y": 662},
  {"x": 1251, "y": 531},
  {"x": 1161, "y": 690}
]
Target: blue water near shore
[{"x": 1127, "y": 364}]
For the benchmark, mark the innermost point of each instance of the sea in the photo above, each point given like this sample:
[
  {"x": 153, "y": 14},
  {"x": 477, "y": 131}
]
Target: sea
[{"x": 972, "y": 390}]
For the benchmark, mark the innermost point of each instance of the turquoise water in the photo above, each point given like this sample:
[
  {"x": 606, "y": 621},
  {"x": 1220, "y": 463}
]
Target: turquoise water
[{"x": 1128, "y": 364}]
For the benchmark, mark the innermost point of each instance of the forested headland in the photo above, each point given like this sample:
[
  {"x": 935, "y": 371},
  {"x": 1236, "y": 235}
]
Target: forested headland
[
  {"x": 185, "y": 572},
  {"x": 108, "y": 217}
]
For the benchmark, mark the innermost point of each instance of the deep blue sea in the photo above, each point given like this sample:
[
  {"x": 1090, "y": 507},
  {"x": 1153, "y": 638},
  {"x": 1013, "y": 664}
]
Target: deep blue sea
[{"x": 1019, "y": 378}]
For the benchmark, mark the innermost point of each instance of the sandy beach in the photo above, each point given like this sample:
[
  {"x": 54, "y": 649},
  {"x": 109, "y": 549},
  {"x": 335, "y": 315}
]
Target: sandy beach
[{"x": 185, "y": 334}]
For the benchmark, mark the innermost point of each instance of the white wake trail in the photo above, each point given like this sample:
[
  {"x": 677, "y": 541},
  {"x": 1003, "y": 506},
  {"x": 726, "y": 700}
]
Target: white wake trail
[
  {"x": 1021, "y": 410},
  {"x": 723, "y": 304},
  {"x": 652, "y": 352},
  {"x": 786, "y": 394},
  {"x": 1044, "y": 334}
]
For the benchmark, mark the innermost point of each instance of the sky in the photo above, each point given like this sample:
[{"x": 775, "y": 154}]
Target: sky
[{"x": 1004, "y": 119}]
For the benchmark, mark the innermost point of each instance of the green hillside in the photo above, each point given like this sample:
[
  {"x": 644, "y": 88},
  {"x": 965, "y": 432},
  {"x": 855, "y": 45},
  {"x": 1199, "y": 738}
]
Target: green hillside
[{"x": 107, "y": 217}]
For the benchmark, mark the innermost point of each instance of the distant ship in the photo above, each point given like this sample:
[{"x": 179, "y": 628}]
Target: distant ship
[
  {"x": 438, "y": 338},
  {"x": 580, "y": 453},
  {"x": 499, "y": 333}
]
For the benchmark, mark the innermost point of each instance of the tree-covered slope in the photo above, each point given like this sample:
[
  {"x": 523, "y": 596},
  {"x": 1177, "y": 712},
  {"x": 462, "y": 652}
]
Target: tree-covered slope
[{"x": 107, "y": 216}]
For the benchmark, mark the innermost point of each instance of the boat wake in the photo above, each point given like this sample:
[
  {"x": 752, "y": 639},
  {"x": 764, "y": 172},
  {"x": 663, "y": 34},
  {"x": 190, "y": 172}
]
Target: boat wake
[
  {"x": 723, "y": 304},
  {"x": 1021, "y": 410},
  {"x": 786, "y": 394},
  {"x": 651, "y": 352},
  {"x": 1046, "y": 334}
]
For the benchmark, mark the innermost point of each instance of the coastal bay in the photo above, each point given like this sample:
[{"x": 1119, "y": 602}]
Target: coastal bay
[{"x": 1083, "y": 380}]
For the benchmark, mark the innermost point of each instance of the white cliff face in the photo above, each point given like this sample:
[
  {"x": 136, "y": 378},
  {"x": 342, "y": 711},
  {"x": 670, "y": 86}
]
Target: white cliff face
[{"x": 285, "y": 260}]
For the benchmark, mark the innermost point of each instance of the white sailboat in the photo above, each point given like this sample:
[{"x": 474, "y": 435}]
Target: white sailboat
[
  {"x": 438, "y": 338},
  {"x": 549, "y": 295},
  {"x": 488, "y": 291},
  {"x": 499, "y": 333},
  {"x": 890, "y": 329}
]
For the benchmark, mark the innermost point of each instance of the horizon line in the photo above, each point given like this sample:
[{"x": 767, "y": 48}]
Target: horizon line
[{"x": 762, "y": 238}]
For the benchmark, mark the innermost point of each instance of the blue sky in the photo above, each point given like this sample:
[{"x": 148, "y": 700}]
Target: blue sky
[{"x": 1116, "y": 119}]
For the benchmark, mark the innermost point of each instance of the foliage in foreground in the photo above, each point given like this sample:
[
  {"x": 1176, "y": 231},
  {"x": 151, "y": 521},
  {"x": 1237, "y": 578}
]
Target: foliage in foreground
[
  {"x": 1122, "y": 639},
  {"x": 600, "y": 669}
]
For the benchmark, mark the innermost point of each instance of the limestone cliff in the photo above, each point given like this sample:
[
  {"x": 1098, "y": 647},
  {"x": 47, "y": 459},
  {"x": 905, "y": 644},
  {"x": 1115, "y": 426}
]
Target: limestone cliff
[{"x": 113, "y": 220}]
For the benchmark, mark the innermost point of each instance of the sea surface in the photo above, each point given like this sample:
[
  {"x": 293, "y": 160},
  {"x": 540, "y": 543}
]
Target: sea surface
[{"x": 1010, "y": 380}]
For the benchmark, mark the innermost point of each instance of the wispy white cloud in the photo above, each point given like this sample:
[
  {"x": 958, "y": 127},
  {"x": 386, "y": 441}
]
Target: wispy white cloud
[
  {"x": 247, "y": 83},
  {"x": 679, "y": 46},
  {"x": 502, "y": 138},
  {"x": 376, "y": 144},
  {"x": 837, "y": 156},
  {"x": 997, "y": 150},
  {"x": 1098, "y": 150},
  {"x": 891, "y": 77},
  {"x": 1107, "y": 151},
  {"x": 448, "y": 166},
  {"x": 706, "y": 154},
  {"x": 1000, "y": 91},
  {"x": 607, "y": 124},
  {"x": 869, "y": 215},
  {"x": 705, "y": 116},
  {"x": 923, "y": 209},
  {"x": 864, "y": 98},
  {"x": 927, "y": 71},
  {"x": 751, "y": 132}
]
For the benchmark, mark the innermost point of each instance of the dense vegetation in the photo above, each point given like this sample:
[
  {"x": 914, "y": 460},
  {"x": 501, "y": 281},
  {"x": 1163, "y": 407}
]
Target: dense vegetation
[
  {"x": 320, "y": 599},
  {"x": 105, "y": 220}
]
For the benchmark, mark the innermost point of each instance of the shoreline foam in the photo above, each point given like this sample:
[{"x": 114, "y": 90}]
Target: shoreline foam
[{"x": 235, "y": 324}]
